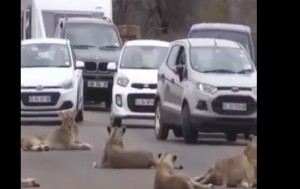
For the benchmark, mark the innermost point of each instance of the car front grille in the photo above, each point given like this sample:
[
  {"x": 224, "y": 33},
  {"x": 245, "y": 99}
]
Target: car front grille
[
  {"x": 95, "y": 66},
  {"x": 217, "y": 104},
  {"x": 144, "y": 86},
  {"x": 145, "y": 109},
  {"x": 54, "y": 98},
  {"x": 90, "y": 66},
  {"x": 102, "y": 67}
]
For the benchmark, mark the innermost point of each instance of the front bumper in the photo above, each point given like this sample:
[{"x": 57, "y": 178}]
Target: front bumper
[
  {"x": 128, "y": 110},
  {"x": 217, "y": 124},
  {"x": 60, "y": 100},
  {"x": 98, "y": 93}
]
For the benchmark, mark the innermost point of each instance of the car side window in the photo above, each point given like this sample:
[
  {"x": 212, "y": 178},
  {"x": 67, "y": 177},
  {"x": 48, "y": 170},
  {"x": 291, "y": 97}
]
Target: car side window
[
  {"x": 173, "y": 56},
  {"x": 181, "y": 58}
]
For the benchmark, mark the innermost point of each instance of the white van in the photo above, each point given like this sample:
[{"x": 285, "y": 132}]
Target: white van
[{"x": 41, "y": 17}]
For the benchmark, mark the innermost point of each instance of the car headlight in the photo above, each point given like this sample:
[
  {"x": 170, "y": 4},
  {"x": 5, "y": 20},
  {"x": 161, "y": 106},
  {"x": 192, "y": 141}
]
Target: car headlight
[
  {"x": 207, "y": 88},
  {"x": 68, "y": 85},
  {"x": 254, "y": 90},
  {"x": 122, "y": 81}
]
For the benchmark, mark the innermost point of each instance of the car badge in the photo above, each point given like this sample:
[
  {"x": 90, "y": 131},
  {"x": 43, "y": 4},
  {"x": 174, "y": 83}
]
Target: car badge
[
  {"x": 39, "y": 87},
  {"x": 235, "y": 89}
]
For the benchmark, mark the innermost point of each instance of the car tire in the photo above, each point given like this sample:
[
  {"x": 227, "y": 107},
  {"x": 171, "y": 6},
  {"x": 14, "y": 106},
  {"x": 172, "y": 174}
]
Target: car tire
[
  {"x": 177, "y": 132},
  {"x": 231, "y": 137},
  {"x": 115, "y": 121},
  {"x": 161, "y": 130},
  {"x": 190, "y": 136}
]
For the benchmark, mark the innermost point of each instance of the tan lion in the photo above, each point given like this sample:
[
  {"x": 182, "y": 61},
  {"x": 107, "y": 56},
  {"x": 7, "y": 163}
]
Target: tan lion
[
  {"x": 63, "y": 138},
  {"x": 115, "y": 156},
  {"x": 237, "y": 171},
  {"x": 165, "y": 178},
  {"x": 29, "y": 183}
]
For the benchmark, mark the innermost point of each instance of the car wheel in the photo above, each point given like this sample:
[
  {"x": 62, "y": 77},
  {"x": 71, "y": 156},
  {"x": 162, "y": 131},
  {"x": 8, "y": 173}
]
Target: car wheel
[
  {"x": 189, "y": 134},
  {"x": 161, "y": 129},
  {"x": 115, "y": 121},
  {"x": 177, "y": 132},
  {"x": 231, "y": 137}
]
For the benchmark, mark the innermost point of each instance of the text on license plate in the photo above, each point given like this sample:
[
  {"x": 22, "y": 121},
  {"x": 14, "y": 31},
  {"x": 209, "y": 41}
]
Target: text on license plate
[
  {"x": 97, "y": 84},
  {"x": 39, "y": 99},
  {"x": 144, "y": 102},
  {"x": 235, "y": 106}
]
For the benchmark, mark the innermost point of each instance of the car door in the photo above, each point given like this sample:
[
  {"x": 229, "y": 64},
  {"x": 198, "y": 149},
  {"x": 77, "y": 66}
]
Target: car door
[
  {"x": 166, "y": 76},
  {"x": 178, "y": 85}
]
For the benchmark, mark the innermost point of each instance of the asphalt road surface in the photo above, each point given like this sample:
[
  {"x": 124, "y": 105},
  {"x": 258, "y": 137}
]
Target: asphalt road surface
[{"x": 73, "y": 170}]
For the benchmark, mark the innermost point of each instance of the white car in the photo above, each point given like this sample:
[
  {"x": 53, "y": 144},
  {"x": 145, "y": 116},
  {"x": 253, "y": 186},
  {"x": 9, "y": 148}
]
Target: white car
[
  {"x": 51, "y": 80},
  {"x": 135, "y": 82}
]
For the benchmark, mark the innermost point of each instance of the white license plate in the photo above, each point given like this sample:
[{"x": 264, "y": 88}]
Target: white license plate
[
  {"x": 144, "y": 102},
  {"x": 235, "y": 106},
  {"x": 97, "y": 84},
  {"x": 39, "y": 99}
]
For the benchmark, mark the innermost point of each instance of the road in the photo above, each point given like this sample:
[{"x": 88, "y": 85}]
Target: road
[{"x": 73, "y": 170}]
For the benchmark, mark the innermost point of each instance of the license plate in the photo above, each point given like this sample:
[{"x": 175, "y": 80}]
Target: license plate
[
  {"x": 144, "y": 102},
  {"x": 235, "y": 106},
  {"x": 39, "y": 99},
  {"x": 97, "y": 84}
]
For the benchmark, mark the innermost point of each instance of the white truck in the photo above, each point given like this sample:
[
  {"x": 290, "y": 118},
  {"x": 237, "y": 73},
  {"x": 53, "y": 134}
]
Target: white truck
[{"x": 39, "y": 18}]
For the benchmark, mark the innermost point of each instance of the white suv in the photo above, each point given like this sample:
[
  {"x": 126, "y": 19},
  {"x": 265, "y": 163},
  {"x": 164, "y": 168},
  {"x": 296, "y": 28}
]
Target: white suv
[
  {"x": 135, "y": 82},
  {"x": 206, "y": 85},
  {"x": 51, "y": 80}
]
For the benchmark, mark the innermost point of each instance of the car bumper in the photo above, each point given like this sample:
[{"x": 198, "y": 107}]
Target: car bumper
[
  {"x": 64, "y": 100},
  {"x": 97, "y": 93},
  {"x": 129, "y": 111}
]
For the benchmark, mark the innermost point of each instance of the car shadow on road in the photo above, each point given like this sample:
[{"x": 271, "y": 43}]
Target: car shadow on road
[{"x": 41, "y": 123}]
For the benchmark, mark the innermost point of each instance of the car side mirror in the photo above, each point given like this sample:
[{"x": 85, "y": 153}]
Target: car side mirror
[
  {"x": 112, "y": 66},
  {"x": 79, "y": 64}
]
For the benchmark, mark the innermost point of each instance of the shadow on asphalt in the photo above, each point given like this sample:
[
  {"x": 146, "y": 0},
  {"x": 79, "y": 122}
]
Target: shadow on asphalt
[{"x": 211, "y": 142}]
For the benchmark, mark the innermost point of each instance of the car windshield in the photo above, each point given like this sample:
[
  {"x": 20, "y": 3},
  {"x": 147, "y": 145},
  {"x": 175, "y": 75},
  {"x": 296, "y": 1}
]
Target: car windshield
[
  {"x": 143, "y": 57},
  {"x": 220, "y": 60},
  {"x": 240, "y": 37},
  {"x": 82, "y": 35},
  {"x": 45, "y": 55}
]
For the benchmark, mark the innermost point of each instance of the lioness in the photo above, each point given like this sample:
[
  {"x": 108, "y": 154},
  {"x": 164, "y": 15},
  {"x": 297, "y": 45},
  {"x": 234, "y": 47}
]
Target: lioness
[
  {"x": 165, "y": 178},
  {"x": 115, "y": 156},
  {"x": 29, "y": 183},
  {"x": 238, "y": 171},
  {"x": 63, "y": 138}
]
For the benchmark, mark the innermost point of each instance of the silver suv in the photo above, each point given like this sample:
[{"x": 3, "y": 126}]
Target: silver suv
[{"x": 206, "y": 85}]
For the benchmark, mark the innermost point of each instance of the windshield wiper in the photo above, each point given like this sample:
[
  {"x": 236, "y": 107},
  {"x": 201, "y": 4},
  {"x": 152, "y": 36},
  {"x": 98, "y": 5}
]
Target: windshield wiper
[
  {"x": 219, "y": 71},
  {"x": 109, "y": 47},
  {"x": 245, "y": 71},
  {"x": 82, "y": 46}
]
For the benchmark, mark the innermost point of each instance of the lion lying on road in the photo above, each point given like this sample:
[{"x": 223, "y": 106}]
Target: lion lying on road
[
  {"x": 165, "y": 178},
  {"x": 63, "y": 138},
  {"x": 115, "y": 156},
  {"x": 29, "y": 183},
  {"x": 238, "y": 171}
]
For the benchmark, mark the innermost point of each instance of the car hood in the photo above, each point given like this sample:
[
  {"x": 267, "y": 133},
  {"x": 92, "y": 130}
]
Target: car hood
[
  {"x": 45, "y": 76},
  {"x": 229, "y": 80},
  {"x": 93, "y": 54},
  {"x": 139, "y": 75}
]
